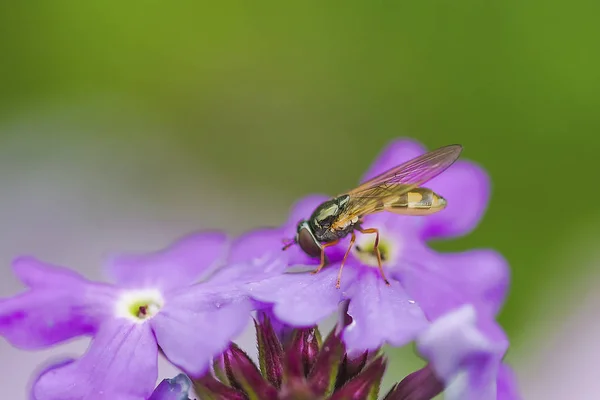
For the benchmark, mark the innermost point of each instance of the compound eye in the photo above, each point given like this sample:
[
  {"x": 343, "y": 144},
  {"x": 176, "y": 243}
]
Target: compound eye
[{"x": 307, "y": 243}]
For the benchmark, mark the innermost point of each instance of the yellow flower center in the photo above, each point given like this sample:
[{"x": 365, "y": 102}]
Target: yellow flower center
[
  {"x": 364, "y": 250},
  {"x": 139, "y": 305}
]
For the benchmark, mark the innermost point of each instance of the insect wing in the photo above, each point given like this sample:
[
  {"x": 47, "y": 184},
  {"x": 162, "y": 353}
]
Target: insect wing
[
  {"x": 416, "y": 171},
  {"x": 401, "y": 179}
]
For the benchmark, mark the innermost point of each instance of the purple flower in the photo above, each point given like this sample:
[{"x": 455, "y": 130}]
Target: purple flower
[
  {"x": 466, "y": 353},
  {"x": 153, "y": 304},
  {"x": 424, "y": 284}
]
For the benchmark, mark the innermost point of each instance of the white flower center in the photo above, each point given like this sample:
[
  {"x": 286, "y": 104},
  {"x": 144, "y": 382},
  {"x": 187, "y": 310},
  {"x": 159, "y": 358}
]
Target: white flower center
[
  {"x": 364, "y": 250},
  {"x": 139, "y": 305}
]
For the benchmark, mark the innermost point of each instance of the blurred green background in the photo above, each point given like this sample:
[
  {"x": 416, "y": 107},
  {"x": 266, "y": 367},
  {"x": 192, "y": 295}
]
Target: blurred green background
[{"x": 288, "y": 99}]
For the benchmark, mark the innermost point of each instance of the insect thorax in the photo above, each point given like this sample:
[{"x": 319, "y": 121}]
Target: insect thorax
[{"x": 325, "y": 216}]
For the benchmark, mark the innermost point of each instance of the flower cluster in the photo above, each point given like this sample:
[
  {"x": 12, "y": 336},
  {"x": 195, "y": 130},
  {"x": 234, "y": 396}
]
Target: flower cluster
[
  {"x": 302, "y": 367},
  {"x": 189, "y": 301}
]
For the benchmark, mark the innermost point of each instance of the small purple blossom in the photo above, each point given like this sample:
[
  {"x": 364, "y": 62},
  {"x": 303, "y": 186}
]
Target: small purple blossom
[
  {"x": 466, "y": 353},
  {"x": 172, "y": 389},
  {"x": 424, "y": 284},
  {"x": 153, "y": 304}
]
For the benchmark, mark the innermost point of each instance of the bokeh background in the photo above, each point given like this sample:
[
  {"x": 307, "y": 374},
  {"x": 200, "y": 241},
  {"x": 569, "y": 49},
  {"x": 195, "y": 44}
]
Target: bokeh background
[{"x": 124, "y": 125}]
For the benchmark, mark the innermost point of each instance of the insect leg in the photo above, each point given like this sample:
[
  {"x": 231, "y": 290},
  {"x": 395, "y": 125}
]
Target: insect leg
[
  {"x": 323, "y": 247},
  {"x": 339, "y": 277},
  {"x": 376, "y": 248}
]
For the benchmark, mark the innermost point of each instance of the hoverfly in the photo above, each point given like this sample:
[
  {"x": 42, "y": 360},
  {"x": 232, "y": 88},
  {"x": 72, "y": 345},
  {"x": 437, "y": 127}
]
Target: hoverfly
[{"x": 396, "y": 190}]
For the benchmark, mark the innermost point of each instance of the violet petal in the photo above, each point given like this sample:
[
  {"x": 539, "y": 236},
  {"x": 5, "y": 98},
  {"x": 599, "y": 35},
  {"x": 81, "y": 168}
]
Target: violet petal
[
  {"x": 255, "y": 244},
  {"x": 507, "y": 384},
  {"x": 462, "y": 356},
  {"x": 60, "y": 305},
  {"x": 121, "y": 362},
  {"x": 442, "y": 282},
  {"x": 272, "y": 263},
  {"x": 47, "y": 368},
  {"x": 466, "y": 188},
  {"x": 302, "y": 299},
  {"x": 180, "y": 264},
  {"x": 381, "y": 314},
  {"x": 195, "y": 326}
]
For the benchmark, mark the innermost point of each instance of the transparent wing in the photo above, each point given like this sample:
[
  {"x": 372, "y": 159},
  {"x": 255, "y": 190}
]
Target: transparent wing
[{"x": 396, "y": 181}]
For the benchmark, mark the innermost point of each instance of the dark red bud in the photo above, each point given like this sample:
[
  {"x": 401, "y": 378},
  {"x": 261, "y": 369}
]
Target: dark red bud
[
  {"x": 420, "y": 385},
  {"x": 351, "y": 366},
  {"x": 283, "y": 331},
  {"x": 219, "y": 369},
  {"x": 305, "y": 343},
  {"x": 211, "y": 389},
  {"x": 297, "y": 390},
  {"x": 323, "y": 374},
  {"x": 294, "y": 368},
  {"x": 270, "y": 352},
  {"x": 243, "y": 375},
  {"x": 365, "y": 385}
]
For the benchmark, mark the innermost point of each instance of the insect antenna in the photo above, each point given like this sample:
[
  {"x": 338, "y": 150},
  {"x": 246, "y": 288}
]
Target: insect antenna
[{"x": 287, "y": 243}]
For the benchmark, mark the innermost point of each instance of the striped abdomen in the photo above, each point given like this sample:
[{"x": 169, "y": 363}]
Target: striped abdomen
[{"x": 419, "y": 201}]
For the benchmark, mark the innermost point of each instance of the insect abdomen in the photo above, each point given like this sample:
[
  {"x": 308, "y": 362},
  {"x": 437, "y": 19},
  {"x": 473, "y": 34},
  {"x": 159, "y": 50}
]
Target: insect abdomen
[{"x": 419, "y": 201}]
